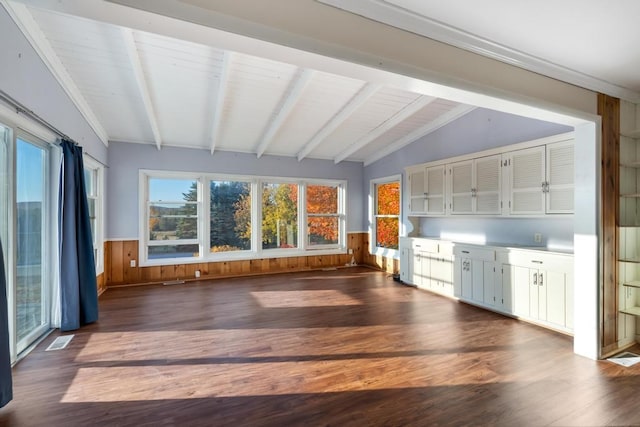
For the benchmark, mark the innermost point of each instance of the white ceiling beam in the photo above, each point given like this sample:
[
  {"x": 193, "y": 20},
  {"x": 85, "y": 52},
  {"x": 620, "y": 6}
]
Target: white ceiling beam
[
  {"x": 296, "y": 88},
  {"x": 363, "y": 95},
  {"x": 428, "y": 128},
  {"x": 385, "y": 126},
  {"x": 220, "y": 98},
  {"x": 143, "y": 87},
  {"x": 31, "y": 30}
]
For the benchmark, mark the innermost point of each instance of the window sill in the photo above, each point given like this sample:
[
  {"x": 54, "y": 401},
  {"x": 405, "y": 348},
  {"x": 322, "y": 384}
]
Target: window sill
[{"x": 243, "y": 256}]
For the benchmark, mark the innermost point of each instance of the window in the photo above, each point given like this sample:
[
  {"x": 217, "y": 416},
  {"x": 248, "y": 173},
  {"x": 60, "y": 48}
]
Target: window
[
  {"x": 241, "y": 217},
  {"x": 172, "y": 212},
  {"x": 93, "y": 178},
  {"x": 279, "y": 215},
  {"x": 386, "y": 212},
  {"x": 229, "y": 216},
  {"x": 323, "y": 215}
]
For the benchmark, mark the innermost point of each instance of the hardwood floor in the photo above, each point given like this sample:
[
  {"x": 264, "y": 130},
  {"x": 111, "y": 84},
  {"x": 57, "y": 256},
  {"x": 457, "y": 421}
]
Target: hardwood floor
[{"x": 345, "y": 347}]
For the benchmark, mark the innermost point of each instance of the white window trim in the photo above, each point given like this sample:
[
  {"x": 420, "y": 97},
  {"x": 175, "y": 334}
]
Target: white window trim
[
  {"x": 90, "y": 163},
  {"x": 373, "y": 249},
  {"x": 256, "y": 251}
]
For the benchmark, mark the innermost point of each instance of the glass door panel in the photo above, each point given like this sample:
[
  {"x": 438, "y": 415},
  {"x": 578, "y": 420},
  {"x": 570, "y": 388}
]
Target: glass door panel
[{"x": 32, "y": 317}]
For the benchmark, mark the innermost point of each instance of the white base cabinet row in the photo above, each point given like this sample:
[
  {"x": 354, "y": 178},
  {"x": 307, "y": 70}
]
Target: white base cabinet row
[{"x": 535, "y": 285}]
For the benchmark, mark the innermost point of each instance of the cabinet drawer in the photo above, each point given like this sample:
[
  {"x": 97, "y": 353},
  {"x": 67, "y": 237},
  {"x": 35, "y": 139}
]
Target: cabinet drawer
[
  {"x": 541, "y": 260},
  {"x": 424, "y": 245},
  {"x": 475, "y": 252}
]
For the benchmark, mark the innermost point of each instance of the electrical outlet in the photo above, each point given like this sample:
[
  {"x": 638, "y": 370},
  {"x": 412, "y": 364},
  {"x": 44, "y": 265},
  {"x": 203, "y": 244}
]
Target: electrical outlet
[
  {"x": 350, "y": 251},
  {"x": 132, "y": 263},
  {"x": 537, "y": 238},
  {"x": 197, "y": 274}
]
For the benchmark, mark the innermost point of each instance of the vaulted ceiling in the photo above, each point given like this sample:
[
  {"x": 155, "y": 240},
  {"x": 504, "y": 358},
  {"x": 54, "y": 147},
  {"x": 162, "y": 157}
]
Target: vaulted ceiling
[{"x": 141, "y": 87}]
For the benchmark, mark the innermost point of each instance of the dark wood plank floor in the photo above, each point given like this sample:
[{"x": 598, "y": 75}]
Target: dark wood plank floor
[{"x": 345, "y": 347}]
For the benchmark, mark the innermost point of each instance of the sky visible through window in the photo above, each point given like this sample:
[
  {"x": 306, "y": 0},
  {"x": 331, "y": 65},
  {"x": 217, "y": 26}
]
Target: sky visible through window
[
  {"x": 169, "y": 190},
  {"x": 29, "y": 159}
]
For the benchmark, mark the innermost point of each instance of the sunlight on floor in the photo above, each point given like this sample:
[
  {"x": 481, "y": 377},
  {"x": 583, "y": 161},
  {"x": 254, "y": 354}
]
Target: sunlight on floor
[
  {"x": 313, "y": 298},
  {"x": 111, "y": 384}
]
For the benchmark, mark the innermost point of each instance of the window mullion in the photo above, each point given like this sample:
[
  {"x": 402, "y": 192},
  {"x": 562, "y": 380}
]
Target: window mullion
[{"x": 204, "y": 217}]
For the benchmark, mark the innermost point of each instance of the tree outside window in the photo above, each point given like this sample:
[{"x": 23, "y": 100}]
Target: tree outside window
[
  {"x": 323, "y": 219},
  {"x": 387, "y": 214}
]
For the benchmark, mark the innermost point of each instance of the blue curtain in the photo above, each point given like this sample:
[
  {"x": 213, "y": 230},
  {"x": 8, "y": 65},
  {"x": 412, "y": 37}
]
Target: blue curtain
[
  {"x": 6, "y": 386},
  {"x": 78, "y": 286}
]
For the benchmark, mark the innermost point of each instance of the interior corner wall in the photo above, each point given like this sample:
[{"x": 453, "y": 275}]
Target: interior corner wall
[
  {"x": 26, "y": 78},
  {"x": 126, "y": 159}
]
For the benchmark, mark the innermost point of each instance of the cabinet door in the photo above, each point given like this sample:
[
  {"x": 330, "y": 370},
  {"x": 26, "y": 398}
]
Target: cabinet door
[
  {"x": 555, "y": 284},
  {"x": 457, "y": 276},
  {"x": 425, "y": 270},
  {"x": 406, "y": 259},
  {"x": 504, "y": 288},
  {"x": 521, "y": 293},
  {"x": 466, "y": 279},
  {"x": 487, "y": 188},
  {"x": 435, "y": 190},
  {"x": 559, "y": 191},
  {"x": 477, "y": 280},
  {"x": 489, "y": 286},
  {"x": 417, "y": 192},
  {"x": 528, "y": 181},
  {"x": 537, "y": 294},
  {"x": 461, "y": 184},
  {"x": 416, "y": 268}
]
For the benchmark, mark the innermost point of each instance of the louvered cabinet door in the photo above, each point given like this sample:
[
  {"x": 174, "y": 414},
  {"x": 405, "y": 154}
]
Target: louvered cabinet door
[
  {"x": 417, "y": 192},
  {"x": 435, "y": 190},
  {"x": 528, "y": 181},
  {"x": 560, "y": 170},
  {"x": 487, "y": 185},
  {"x": 461, "y": 185}
]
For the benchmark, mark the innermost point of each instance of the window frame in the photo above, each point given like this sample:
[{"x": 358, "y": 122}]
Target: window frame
[
  {"x": 97, "y": 169},
  {"x": 256, "y": 251},
  {"x": 373, "y": 203}
]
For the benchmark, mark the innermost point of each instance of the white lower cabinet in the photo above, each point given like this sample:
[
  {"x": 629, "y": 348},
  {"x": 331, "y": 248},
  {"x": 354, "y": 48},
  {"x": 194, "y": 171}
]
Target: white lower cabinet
[
  {"x": 534, "y": 285},
  {"x": 474, "y": 269},
  {"x": 542, "y": 286},
  {"x": 427, "y": 264}
]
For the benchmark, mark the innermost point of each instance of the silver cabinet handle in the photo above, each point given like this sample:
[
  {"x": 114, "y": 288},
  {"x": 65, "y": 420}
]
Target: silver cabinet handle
[
  {"x": 535, "y": 278},
  {"x": 541, "y": 279}
]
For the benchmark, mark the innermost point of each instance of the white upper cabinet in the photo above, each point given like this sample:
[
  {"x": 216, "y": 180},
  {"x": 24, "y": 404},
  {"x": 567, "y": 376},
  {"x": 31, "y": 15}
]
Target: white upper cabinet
[
  {"x": 435, "y": 190},
  {"x": 542, "y": 179},
  {"x": 476, "y": 186},
  {"x": 426, "y": 190},
  {"x": 487, "y": 188},
  {"x": 417, "y": 191},
  {"x": 532, "y": 178},
  {"x": 527, "y": 181},
  {"x": 461, "y": 175},
  {"x": 560, "y": 177}
]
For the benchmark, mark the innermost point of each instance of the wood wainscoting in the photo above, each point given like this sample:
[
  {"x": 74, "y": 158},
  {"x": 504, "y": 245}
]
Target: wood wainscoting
[{"x": 120, "y": 253}]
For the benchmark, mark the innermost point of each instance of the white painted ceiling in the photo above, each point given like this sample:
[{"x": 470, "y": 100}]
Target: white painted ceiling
[
  {"x": 137, "y": 86},
  {"x": 142, "y": 78}
]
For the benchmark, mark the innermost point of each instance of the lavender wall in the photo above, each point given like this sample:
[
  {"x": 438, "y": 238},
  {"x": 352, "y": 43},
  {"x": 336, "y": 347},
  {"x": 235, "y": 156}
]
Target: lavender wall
[
  {"x": 126, "y": 160},
  {"x": 26, "y": 78},
  {"x": 479, "y": 130}
]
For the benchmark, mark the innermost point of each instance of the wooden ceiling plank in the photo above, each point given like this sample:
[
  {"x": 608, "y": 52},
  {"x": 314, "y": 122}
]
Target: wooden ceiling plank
[
  {"x": 297, "y": 88},
  {"x": 31, "y": 30},
  {"x": 363, "y": 95},
  {"x": 393, "y": 121},
  {"x": 141, "y": 81}
]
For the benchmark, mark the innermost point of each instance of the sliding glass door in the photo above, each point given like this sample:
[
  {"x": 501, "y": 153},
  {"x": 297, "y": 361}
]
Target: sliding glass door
[{"x": 31, "y": 284}]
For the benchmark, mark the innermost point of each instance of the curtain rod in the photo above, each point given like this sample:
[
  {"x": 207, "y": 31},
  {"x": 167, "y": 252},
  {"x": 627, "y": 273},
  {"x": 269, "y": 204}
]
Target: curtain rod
[{"x": 21, "y": 109}]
